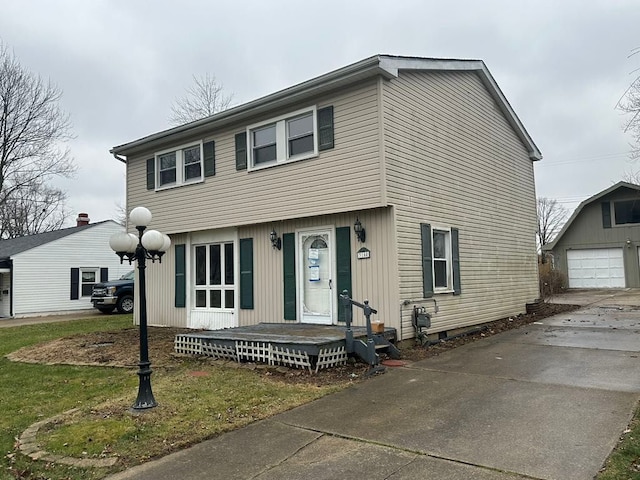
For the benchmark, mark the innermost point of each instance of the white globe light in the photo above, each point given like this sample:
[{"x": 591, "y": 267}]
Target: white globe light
[
  {"x": 140, "y": 217},
  {"x": 133, "y": 243},
  {"x": 167, "y": 243},
  {"x": 119, "y": 242},
  {"x": 152, "y": 240}
]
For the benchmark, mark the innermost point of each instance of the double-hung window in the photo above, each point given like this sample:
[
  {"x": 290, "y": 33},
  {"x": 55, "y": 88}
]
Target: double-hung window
[
  {"x": 179, "y": 166},
  {"x": 88, "y": 278},
  {"x": 283, "y": 139},
  {"x": 214, "y": 276},
  {"x": 440, "y": 260}
]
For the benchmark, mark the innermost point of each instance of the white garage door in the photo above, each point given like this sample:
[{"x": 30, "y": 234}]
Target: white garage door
[{"x": 596, "y": 268}]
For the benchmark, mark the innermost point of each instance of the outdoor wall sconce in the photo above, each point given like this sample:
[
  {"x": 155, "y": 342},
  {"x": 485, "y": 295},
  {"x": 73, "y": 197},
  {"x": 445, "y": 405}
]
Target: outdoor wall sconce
[
  {"x": 628, "y": 243},
  {"x": 276, "y": 242},
  {"x": 359, "y": 229}
]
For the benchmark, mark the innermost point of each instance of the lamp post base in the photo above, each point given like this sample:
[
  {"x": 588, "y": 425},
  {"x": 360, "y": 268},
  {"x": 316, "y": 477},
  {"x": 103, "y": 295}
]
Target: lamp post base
[{"x": 145, "y": 395}]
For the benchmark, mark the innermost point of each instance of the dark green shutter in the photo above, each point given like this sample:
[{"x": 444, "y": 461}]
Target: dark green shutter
[
  {"x": 427, "y": 261},
  {"x": 104, "y": 274},
  {"x": 455, "y": 257},
  {"x": 289, "y": 275},
  {"x": 343, "y": 266},
  {"x": 180, "y": 276},
  {"x": 241, "y": 151},
  {"x": 209, "y": 159},
  {"x": 151, "y": 174},
  {"x": 75, "y": 284},
  {"x": 246, "y": 273},
  {"x": 606, "y": 215},
  {"x": 325, "y": 128}
]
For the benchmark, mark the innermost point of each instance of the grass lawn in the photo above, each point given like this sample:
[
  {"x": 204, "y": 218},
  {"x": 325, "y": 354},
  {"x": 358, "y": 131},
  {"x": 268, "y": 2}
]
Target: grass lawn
[
  {"x": 624, "y": 462},
  {"x": 197, "y": 400}
]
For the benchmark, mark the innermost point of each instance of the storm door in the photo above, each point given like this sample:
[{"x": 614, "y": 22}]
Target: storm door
[{"x": 316, "y": 276}]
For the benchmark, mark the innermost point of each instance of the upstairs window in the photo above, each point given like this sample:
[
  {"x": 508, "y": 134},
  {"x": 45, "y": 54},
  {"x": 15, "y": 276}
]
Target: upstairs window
[
  {"x": 180, "y": 166},
  {"x": 283, "y": 139},
  {"x": 626, "y": 212},
  {"x": 300, "y": 135},
  {"x": 264, "y": 145}
]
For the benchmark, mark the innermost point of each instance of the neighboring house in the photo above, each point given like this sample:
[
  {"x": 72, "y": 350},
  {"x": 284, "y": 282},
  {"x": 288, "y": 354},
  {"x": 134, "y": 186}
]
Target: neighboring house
[
  {"x": 598, "y": 246},
  {"x": 54, "y": 272},
  {"x": 426, "y": 155}
]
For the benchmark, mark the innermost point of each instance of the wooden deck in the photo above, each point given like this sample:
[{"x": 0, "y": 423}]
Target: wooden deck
[{"x": 291, "y": 344}]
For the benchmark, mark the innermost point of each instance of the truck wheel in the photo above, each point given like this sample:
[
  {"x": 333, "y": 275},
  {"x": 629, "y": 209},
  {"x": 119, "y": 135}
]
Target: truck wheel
[
  {"x": 125, "y": 304},
  {"x": 106, "y": 310}
]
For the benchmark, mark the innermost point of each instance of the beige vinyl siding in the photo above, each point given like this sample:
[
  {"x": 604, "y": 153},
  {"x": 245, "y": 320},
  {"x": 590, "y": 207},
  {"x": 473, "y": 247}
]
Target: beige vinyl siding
[
  {"x": 346, "y": 177},
  {"x": 452, "y": 160},
  {"x": 373, "y": 279},
  {"x": 160, "y": 279}
]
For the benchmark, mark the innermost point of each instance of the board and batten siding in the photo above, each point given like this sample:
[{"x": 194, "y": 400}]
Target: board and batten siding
[
  {"x": 373, "y": 279},
  {"x": 160, "y": 280},
  {"x": 347, "y": 177},
  {"x": 452, "y": 160},
  {"x": 42, "y": 275}
]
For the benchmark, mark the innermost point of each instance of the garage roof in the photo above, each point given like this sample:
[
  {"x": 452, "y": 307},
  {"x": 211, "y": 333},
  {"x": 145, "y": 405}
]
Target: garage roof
[{"x": 597, "y": 196}]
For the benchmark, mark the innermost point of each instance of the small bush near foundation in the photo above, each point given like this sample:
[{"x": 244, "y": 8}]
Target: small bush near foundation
[{"x": 552, "y": 281}]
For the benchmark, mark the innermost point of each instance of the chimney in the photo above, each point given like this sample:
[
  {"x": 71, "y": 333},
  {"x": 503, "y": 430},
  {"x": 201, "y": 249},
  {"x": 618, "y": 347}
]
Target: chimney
[{"x": 83, "y": 219}]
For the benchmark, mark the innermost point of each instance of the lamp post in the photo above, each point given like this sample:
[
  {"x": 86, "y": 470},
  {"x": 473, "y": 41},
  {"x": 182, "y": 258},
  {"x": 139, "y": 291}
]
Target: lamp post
[{"x": 149, "y": 245}]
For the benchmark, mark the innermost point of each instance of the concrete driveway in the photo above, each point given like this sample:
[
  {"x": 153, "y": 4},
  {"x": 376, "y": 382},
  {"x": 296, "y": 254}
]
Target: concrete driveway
[{"x": 546, "y": 401}]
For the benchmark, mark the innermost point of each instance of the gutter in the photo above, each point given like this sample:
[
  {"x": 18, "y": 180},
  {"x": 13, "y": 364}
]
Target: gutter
[
  {"x": 366, "y": 68},
  {"x": 386, "y": 66}
]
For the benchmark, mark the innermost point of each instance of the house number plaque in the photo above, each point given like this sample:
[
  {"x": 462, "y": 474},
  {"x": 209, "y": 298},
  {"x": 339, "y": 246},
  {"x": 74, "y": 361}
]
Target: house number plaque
[{"x": 363, "y": 253}]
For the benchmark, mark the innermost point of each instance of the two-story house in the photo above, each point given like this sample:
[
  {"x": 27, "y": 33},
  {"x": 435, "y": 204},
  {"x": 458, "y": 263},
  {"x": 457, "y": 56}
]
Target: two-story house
[
  {"x": 406, "y": 181},
  {"x": 599, "y": 246}
]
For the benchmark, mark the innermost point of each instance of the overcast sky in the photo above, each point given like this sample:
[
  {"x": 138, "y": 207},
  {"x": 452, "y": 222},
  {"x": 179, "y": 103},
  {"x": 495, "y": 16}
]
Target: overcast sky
[{"x": 563, "y": 65}]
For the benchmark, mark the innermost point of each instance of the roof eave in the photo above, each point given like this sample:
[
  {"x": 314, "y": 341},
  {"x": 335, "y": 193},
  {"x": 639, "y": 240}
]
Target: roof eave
[
  {"x": 551, "y": 245},
  {"x": 386, "y": 66},
  {"x": 367, "y": 68}
]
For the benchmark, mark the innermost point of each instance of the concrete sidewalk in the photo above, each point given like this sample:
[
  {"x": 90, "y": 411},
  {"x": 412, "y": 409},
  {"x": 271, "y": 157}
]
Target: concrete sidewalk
[{"x": 546, "y": 401}]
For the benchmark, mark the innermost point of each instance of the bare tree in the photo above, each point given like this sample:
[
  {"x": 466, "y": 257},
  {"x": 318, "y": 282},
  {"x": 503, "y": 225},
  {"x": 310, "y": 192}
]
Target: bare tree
[
  {"x": 35, "y": 208},
  {"x": 33, "y": 132},
  {"x": 629, "y": 103},
  {"x": 631, "y": 177},
  {"x": 551, "y": 218},
  {"x": 121, "y": 214},
  {"x": 204, "y": 98}
]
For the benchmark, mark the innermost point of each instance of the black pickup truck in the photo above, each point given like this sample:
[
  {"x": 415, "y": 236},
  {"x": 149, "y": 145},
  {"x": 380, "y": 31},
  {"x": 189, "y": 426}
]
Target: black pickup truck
[{"x": 117, "y": 294}]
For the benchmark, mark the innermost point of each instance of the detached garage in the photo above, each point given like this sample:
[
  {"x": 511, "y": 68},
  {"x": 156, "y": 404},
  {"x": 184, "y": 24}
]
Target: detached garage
[
  {"x": 598, "y": 247},
  {"x": 596, "y": 268}
]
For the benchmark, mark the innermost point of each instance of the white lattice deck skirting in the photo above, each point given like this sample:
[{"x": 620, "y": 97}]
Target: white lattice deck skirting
[
  {"x": 188, "y": 345},
  {"x": 263, "y": 352},
  {"x": 331, "y": 357}
]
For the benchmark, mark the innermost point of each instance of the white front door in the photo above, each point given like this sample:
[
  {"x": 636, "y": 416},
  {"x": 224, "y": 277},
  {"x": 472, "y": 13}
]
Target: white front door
[{"x": 316, "y": 276}]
